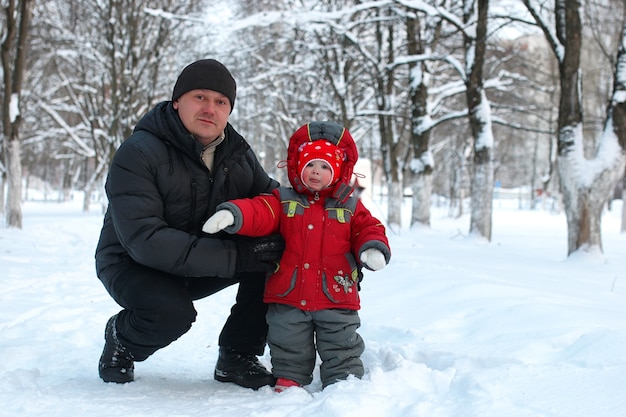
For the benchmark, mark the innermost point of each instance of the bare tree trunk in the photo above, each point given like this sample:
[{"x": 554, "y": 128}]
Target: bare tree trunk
[
  {"x": 422, "y": 193},
  {"x": 14, "y": 202},
  {"x": 394, "y": 182},
  {"x": 482, "y": 189},
  {"x": 623, "y": 228},
  {"x": 586, "y": 187},
  {"x": 585, "y": 184},
  {"x": 68, "y": 183},
  {"x": 570, "y": 152},
  {"x": 87, "y": 199},
  {"x": 3, "y": 181},
  {"x": 422, "y": 164},
  {"x": 96, "y": 178},
  {"x": 13, "y": 58},
  {"x": 390, "y": 139},
  {"x": 617, "y": 115},
  {"x": 480, "y": 123}
]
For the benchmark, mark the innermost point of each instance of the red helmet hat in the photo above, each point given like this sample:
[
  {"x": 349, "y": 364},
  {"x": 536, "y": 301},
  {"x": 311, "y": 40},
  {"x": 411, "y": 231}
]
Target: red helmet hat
[
  {"x": 321, "y": 150},
  {"x": 316, "y": 133}
]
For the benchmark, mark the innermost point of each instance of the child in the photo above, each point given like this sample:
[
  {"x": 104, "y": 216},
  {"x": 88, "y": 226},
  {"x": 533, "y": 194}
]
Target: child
[{"x": 313, "y": 294}]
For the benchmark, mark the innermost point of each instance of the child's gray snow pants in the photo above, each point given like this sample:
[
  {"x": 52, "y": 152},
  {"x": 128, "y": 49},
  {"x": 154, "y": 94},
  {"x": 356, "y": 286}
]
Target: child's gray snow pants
[{"x": 294, "y": 334}]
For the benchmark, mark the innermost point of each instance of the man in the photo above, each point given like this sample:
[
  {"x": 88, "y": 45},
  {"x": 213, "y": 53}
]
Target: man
[{"x": 165, "y": 180}]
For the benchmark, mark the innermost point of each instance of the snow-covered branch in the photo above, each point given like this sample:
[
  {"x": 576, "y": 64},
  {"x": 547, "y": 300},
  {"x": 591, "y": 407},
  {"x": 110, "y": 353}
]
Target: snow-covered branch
[
  {"x": 408, "y": 59},
  {"x": 547, "y": 29},
  {"x": 83, "y": 147}
]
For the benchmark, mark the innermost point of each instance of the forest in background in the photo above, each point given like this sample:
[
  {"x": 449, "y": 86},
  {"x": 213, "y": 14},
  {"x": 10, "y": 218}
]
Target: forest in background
[{"x": 398, "y": 74}]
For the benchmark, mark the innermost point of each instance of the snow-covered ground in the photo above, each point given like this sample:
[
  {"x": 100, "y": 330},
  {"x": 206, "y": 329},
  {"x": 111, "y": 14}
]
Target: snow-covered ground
[{"x": 454, "y": 327}]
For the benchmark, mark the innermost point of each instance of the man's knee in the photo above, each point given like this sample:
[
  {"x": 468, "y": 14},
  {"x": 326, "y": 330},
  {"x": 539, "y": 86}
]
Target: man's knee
[
  {"x": 143, "y": 331},
  {"x": 174, "y": 320}
]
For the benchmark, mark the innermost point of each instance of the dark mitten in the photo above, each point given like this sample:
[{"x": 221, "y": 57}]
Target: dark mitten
[{"x": 259, "y": 254}]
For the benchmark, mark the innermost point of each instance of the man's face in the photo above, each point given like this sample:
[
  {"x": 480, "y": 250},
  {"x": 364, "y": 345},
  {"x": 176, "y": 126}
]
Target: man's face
[{"x": 204, "y": 113}]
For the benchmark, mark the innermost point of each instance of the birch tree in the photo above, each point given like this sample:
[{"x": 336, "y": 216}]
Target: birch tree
[
  {"x": 13, "y": 49},
  {"x": 479, "y": 109},
  {"x": 586, "y": 183},
  {"x": 422, "y": 163}
]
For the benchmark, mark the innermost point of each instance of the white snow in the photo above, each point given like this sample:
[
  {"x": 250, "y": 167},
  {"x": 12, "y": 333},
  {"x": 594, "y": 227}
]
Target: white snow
[
  {"x": 454, "y": 327},
  {"x": 14, "y": 107},
  {"x": 483, "y": 114}
]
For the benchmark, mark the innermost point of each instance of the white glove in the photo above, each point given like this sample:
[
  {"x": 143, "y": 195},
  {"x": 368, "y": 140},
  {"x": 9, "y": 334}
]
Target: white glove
[
  {"x": 373, "y": 259},
  {"x": 219, "y": 221}
]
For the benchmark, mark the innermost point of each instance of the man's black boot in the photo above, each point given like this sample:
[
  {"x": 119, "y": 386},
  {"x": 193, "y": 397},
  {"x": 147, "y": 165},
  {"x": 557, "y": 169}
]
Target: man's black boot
[
  {"x": 243, "y": 369},
  {"x": 116, "y": 364}
]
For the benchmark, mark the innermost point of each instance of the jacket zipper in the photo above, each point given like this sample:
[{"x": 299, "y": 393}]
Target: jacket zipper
[{"x": 192, "y": 211}]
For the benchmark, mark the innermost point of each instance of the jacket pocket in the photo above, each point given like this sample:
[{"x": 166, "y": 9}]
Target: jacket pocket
[
  {"x": 281, "y": 285},
  {"x": 340, "y": 279}
]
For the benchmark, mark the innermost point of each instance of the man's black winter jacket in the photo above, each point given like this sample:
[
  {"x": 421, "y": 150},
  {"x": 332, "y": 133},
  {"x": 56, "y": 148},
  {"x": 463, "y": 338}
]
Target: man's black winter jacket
[{"x": 160, "y": 193}]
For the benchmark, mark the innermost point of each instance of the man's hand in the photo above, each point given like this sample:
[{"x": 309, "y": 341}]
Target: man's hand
[{"x": 259, "y": 254}]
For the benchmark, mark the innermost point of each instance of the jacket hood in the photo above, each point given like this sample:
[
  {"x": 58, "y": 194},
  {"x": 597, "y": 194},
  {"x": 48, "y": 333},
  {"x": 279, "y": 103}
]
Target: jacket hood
[
  {"x": 338, "y": 136},
  {"x": 163, "y": 122}
]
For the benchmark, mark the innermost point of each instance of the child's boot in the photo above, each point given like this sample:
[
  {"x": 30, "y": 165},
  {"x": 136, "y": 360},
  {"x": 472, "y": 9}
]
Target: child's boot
[{"x": 284, "y": 383}]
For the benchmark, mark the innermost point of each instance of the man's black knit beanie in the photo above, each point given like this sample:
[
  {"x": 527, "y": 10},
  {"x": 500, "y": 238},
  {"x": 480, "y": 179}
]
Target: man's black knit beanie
[{"x": 206, "y": 74}]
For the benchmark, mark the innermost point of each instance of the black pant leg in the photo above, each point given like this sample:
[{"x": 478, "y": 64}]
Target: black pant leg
[
  {"x": 157, "y": 307},
  {"x": 246, "y": 329}
]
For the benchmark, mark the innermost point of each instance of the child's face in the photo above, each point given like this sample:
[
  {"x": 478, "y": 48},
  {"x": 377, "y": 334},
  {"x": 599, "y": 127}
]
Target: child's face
[{"x": 317, "y": 175}]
